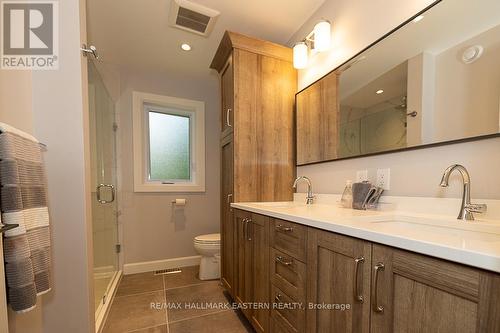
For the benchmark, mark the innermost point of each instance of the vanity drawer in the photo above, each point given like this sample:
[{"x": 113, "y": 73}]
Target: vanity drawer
[
  {"x": 289, "y": 238},
  {"x": 290, "y": 314},
  {"x": 288, "y": 274}
]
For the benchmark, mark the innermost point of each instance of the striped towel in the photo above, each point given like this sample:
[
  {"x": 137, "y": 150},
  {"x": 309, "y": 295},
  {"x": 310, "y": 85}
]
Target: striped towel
[{"x": 23, "y": 201}]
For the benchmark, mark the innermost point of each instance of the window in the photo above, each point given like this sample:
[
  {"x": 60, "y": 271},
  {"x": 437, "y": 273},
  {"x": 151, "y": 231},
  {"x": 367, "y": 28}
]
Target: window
[{"x": 169, "y": 144}]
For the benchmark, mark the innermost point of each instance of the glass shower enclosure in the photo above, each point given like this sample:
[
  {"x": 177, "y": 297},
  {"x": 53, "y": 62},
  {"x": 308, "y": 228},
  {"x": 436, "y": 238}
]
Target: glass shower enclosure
[{"x": 104, "y": 203}]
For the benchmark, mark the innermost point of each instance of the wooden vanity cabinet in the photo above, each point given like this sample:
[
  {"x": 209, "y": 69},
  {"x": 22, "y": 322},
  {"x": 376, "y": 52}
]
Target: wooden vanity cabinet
[
  {"x": 417, "y": 293},
  {"x": 252, "y": 266},
  {"x": 368, "y": 287},
  {"x": 339, "y": 273},
  {"x": 401, "y": 291}
]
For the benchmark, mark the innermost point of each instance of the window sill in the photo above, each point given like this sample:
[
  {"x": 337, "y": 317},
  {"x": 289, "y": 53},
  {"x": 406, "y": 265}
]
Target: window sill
[{"x": 172, "y": 188}]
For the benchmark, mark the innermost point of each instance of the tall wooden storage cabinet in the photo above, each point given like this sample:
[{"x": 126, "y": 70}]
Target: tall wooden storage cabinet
[{"x": 258, "y": 85}]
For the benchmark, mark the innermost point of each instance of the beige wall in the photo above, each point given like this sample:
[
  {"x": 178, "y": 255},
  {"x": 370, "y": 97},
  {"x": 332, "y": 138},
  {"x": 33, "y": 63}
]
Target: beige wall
[
  {"x": 152, "y": 229},
  {"x": 15, "y": 99},
  {"x": 356, "y": 24}
]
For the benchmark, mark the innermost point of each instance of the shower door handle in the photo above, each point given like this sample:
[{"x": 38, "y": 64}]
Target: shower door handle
[{"x": 110, "y": 186}]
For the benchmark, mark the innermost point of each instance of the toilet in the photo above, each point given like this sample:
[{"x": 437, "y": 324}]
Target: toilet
[{"x": 208, "y": 246}]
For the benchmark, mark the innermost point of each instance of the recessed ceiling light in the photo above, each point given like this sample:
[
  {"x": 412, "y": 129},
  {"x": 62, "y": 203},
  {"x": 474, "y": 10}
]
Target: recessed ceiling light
[
  {"x": 418, "y": 18},
  {"x": 186, "y": 47},
  {"x": 378, "y": 92}
]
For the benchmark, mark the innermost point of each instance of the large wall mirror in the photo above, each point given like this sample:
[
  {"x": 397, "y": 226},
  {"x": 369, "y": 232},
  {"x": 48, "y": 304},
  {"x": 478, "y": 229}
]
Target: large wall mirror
[{"x": 434, "y": 80}]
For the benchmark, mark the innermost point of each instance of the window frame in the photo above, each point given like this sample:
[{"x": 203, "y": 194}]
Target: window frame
[{"x": 143, "y": 103}]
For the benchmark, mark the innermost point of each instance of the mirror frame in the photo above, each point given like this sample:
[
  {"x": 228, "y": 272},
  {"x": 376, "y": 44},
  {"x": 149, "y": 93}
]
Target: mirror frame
[{"x": 391, "y": 151}]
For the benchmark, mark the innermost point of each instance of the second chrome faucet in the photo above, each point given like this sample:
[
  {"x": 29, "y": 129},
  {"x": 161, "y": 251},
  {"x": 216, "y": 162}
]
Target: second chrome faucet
[
  {"x": 467, "y": 208},
  {"x": 310, "y": 196}
]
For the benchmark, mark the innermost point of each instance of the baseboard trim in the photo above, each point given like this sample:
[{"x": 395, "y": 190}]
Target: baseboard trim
[{"x": 148, "y": 266}]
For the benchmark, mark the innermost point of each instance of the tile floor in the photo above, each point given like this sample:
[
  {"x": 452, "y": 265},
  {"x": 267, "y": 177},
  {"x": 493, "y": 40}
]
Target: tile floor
[{"x": 139, "y": 305}]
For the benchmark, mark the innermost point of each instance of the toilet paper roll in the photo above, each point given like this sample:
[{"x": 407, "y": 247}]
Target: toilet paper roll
[{"x": 179, "y": 202}]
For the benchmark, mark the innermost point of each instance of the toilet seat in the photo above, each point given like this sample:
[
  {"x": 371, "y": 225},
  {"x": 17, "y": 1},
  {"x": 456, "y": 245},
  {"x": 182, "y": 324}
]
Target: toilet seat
[{"x": 209, "y": 239}]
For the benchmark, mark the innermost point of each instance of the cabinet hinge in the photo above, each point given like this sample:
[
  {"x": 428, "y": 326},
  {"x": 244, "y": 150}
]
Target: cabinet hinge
[
  {"x": 115, "y": 127},
  {"x": 118, "y": 248}
]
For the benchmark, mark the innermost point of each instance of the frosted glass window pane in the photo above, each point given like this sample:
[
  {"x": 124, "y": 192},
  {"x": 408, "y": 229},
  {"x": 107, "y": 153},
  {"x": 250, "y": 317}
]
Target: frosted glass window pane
[{"x": 169, "y": 147}]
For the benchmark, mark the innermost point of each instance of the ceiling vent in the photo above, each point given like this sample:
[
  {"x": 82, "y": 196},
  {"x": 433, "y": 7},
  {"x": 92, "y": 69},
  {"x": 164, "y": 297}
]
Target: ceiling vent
[{"x": 192, "y": 17}]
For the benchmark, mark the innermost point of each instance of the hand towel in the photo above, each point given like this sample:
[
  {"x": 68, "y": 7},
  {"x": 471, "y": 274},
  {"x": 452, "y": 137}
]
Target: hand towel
[{"x": 23, "y": 201}]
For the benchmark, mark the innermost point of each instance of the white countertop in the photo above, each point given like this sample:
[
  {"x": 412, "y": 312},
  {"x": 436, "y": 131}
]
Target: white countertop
[{"x": 475, "y": 243}]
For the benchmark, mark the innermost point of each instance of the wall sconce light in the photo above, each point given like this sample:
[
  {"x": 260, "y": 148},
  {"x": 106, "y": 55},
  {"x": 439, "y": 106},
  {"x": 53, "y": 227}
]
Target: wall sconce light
[
  {"x": 318, "y": 40},
  {"x": 300, "y": 55},
  {"x": 322, "y": 36}
]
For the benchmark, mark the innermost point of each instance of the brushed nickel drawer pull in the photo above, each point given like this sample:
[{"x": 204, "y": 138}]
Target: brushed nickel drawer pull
[
  {"x": 279, "y": 227},
  {"x": 282, "y": 261},
  {"x": 377, "y": 308},
  {"x": 248, "y": 234},
  {"x": 228, "y": 119},
  {"x": 245, "y": 227},
  {"x": 357, "y": 262}
]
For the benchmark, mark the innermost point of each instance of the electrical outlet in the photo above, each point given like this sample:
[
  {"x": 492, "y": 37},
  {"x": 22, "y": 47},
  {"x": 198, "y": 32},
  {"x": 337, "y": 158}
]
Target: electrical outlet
[
  {"x": 384, "y": 178},
  {"x": 361, "y": 176}
]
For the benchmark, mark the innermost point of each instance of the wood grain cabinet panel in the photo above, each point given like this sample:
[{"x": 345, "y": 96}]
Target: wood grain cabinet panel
[
  {"x": 288, "y": 274},
  {"x": 227, "y": 90},
  {"x": 258, "y": 85},
  {"x": 243, "y": 259},
  {"x": 291, "y": 313},
  {"x": 252, "y": 264},
  {"x": 260, "y": 271},
  {"x": 227, "y": 226},
  {"x": 289, "y": 238},
  {"x": 338, "y": 277},
  {"x": 416, "y": 293}
]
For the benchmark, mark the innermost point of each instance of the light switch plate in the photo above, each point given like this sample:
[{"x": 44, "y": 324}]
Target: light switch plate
[
  {"x": 384, "y": 178},
  {"x": 361, "y": 175}
]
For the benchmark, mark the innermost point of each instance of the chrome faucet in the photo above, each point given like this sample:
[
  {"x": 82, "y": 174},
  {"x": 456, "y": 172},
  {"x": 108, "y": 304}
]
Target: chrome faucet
[
  {"x": 467, "y": 208},
  {"x": 310, "y": 196}
]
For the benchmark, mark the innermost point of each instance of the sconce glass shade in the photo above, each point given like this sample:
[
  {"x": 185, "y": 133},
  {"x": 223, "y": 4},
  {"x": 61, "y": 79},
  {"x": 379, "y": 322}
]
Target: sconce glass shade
[
  {"x": 300, "y": 54},
  {"x": 322, "y": 36}
]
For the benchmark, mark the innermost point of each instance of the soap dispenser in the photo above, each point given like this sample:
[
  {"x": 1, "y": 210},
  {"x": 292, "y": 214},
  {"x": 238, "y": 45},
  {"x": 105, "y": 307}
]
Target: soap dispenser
[{"x": 346, "y": 200}]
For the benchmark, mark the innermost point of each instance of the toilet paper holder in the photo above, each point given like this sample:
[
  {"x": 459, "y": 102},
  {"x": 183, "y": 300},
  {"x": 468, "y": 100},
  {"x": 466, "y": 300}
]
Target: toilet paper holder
[{"x": 179, "y": 202}]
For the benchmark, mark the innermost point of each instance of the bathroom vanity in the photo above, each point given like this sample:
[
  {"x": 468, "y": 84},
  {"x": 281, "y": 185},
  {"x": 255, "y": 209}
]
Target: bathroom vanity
[{"x": 329, "y": 269}]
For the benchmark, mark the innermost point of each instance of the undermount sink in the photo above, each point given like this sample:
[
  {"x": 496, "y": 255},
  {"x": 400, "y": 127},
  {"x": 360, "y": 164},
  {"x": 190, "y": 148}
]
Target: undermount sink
[{"x": 440, "y": 224}]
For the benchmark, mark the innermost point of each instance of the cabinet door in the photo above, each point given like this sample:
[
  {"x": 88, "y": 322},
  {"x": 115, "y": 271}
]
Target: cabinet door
[
  {"x": 243, "y": 260},
  {"x": 338, "y": 277},
  {"x": 227, "y": 88},
  {"x": 227, "y": 225},
  {"x": 416, "y": 293},
  {"x": 260, "y": 271}
]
